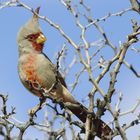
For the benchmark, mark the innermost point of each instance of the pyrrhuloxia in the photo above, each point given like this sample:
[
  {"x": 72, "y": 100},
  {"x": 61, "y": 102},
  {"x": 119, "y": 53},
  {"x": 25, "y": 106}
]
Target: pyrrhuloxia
[{"x": 35, "y": 67}]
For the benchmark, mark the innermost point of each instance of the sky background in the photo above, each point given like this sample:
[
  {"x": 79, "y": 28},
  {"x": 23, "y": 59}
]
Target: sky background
[{"x": 117, "y": 28}]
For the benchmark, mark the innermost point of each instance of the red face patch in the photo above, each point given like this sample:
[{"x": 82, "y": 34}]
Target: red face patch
[{"x": 32, "y": 38}]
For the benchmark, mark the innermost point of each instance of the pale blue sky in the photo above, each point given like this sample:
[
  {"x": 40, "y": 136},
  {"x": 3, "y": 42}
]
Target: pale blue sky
[{"x": 117, "y": 28}]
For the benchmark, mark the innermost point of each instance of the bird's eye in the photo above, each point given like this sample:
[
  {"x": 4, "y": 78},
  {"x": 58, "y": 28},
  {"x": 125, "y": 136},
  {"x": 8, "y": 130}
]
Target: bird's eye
[{"x": 30, "y": 37}]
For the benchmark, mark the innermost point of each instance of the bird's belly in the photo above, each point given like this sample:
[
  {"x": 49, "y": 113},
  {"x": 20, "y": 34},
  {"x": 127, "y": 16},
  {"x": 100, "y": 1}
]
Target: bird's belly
[{"x": 35, "y": 77}]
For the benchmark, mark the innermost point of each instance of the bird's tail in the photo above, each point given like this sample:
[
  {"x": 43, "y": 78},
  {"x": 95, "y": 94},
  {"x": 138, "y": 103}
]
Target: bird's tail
[{"x": 101, "y": 128}]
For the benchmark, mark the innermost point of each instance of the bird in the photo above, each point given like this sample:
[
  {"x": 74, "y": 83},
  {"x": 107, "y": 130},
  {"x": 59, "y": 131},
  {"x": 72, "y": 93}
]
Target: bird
[{"x": 36, "y": 70}]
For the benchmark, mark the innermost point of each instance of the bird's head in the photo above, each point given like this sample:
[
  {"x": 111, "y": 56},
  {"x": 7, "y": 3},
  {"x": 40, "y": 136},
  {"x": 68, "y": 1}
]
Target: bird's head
[{"x": 30, "y": 36}]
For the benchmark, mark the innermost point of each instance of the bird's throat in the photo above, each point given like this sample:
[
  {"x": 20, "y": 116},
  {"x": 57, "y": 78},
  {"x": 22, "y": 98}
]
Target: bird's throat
[{"x": 37, "y": 47}]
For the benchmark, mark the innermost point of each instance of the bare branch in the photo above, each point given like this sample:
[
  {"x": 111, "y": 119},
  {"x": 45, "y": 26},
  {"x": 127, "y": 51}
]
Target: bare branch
[
  {"x": 132, "y": 110},
  {"x": 135, "y": 5}
]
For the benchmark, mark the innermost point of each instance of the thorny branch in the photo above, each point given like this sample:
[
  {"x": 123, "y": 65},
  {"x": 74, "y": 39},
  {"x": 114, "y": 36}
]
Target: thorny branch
[
  {"x": 85, "y": 59},
  {"x": 8, "y": 121}
]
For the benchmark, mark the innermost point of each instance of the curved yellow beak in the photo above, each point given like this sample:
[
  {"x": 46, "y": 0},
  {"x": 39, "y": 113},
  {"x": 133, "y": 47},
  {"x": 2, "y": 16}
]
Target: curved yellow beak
[{"x": 41, "y": 39}]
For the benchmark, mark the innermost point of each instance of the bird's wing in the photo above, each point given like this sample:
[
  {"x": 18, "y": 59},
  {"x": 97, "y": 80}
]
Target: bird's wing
[{"x": 60, "y": 77}]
